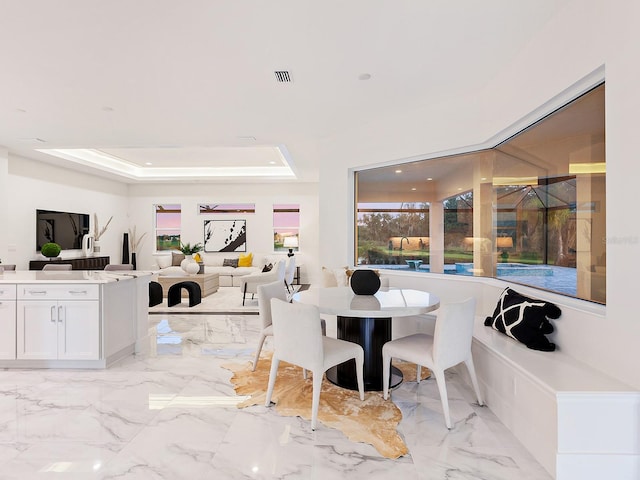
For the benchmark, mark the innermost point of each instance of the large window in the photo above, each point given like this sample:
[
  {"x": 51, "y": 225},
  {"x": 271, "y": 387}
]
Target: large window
[
  {"x": 167, "y": 226},
  {"x": 532, "y": 210}
]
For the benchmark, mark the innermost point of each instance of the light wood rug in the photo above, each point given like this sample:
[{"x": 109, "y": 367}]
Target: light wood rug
[{"x": 373, "y": 421}]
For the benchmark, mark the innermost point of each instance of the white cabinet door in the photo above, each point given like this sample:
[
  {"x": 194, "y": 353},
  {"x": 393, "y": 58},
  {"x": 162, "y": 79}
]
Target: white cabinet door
[
  {"x": 78, "y": 330},
  {"x": 7, "y": 329},
  {"x": 37, "y": 330}
]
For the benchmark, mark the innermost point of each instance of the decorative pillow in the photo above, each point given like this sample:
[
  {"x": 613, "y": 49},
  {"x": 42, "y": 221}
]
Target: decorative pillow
[
  {"x": 245, "y": 260},
  {"x": 176, "y": 258},
  {"x": 328, "y": 278},
  {"x": 230, "y": 262},
  {"x": 163, "y": 261},
  {"x": 267, "y": 268},
  {"x": 524, "y": 319}
]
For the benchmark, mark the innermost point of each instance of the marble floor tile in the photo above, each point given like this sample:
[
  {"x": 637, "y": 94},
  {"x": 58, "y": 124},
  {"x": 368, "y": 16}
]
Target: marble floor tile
[{"x": 170, "y": 413}]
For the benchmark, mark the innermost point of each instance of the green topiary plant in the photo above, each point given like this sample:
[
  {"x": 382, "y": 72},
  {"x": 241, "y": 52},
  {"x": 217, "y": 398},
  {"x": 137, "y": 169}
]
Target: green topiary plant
[{"x": 51, "y": 250}]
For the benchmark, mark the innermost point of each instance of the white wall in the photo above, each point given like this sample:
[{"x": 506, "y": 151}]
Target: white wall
[
  {"x": 576, "y": 43},
  {"x": 30, "y": 185},
  {"x": 259, "y": 225}
]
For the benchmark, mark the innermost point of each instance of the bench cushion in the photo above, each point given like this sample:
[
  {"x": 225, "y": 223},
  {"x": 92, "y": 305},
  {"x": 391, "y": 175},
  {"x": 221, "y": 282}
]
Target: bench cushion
[{"x": 524, "y": 319}]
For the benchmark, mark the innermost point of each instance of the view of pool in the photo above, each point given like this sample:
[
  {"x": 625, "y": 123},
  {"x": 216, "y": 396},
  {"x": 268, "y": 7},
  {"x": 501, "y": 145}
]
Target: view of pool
[{"x": 549, "y": 277}]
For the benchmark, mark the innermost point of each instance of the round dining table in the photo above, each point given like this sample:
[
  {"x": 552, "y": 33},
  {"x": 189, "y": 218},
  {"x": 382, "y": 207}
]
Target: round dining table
[{"x": 366, "y": 320}]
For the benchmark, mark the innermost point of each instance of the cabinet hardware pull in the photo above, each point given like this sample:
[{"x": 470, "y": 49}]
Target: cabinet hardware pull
[
  {"x": 60, "y": 313},
  {"x": 53, "y": 313},
  {"x": 78, "y": 292},
  {"x": 37, "y": 292}
]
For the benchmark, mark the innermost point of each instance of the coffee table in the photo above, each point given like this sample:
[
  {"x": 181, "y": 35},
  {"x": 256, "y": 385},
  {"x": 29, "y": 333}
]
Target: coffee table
[{"x": 209, "y": 282}]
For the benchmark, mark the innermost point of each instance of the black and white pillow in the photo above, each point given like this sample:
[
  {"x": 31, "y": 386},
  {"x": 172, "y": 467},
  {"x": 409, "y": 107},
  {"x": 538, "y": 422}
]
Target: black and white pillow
[
  {"x": 267, "y": 268},
  {"x": 524, "y": 319},
  {"x": 230, "y": 262}
]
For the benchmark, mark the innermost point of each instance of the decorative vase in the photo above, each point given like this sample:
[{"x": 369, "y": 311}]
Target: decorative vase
[
  {"x": 125, "y": 249},
  {"x": 364, "y": 282},
  {"x": 133, "y": 260},
  {"x": 192, "y": 268},
  {"x": 96, "y": 246}
]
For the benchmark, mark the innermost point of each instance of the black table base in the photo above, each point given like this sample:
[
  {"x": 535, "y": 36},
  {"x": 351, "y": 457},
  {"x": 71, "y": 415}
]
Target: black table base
[{"x": 371, "y": 334}]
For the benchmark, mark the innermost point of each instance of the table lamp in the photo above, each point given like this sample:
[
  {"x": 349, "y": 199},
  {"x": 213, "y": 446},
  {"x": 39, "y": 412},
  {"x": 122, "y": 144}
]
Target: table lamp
[{"x": 291, "y": 243}]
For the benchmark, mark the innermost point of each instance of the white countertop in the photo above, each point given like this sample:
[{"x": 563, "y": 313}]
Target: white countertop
[
  {"x": 73, "y": 276},
  {"x": 387, "y": 302}
]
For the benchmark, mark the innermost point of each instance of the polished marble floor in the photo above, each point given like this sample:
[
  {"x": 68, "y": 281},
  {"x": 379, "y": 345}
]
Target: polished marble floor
[{"x": 170, "y": 414}]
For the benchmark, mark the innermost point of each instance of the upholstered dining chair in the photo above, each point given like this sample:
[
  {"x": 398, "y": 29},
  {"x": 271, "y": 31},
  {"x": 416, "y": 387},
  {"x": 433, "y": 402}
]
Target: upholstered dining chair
[
  {"x": 249, "y": 283},
  {"x": 265, "y": 293},
  {"x": 289, "y": 273},
  {"x": 298, "y": 339},
  {"x": 57, "y": 266},
  {"x": 449, "y": 346},
  {"x": 118, "y": 267}
]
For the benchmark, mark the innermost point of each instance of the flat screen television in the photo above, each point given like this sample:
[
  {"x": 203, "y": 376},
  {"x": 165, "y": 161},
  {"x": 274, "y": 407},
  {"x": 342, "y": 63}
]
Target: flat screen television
[{"x": 64, "y": 228}]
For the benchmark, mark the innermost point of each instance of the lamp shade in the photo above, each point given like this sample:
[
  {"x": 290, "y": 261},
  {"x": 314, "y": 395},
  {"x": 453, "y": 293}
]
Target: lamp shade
[
  {"x": 504, "y": 242},
  {"x": 291, "y": 242}
]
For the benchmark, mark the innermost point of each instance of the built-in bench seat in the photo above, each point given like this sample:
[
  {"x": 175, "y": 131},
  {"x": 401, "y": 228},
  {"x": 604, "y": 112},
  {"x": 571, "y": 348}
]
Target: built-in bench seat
[{"x": 576, "y": 420}]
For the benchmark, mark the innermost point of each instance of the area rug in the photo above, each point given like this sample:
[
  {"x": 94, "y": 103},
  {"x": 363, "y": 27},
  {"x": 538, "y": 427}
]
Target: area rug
[
  {"x": 226, "y": 300},
  {"x": 373, "y": 421}
]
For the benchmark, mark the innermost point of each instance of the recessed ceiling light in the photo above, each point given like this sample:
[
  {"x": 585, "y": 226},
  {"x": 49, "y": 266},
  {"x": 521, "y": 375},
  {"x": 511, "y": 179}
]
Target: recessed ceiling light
[
  {"x": 364, "y": 76},
  {"x": 459, "y": 188},
  {"x": 413, "y": 189},
  {"x": 429, "y": 179},
  {"x": 398, "y": 171},
  {"x": 483, "y": 178},
  {"x": 272, "y": 162},
  {"x": 148, "y": 163}
]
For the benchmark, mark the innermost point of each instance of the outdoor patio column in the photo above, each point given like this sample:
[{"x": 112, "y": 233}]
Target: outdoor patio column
[
  {"x": 436, "y": 237},
  {"x": 590, "y": 234},
  {"x": 484, "y": 257}
]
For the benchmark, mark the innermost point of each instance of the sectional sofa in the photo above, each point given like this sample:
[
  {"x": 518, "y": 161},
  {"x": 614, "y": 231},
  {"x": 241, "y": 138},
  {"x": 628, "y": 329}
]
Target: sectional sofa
[{"x": 230, "y": 276}]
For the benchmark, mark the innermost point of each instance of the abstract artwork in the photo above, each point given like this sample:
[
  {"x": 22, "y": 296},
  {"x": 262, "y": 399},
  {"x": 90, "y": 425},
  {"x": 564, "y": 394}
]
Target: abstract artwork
[{"x": 225, "y": 235}]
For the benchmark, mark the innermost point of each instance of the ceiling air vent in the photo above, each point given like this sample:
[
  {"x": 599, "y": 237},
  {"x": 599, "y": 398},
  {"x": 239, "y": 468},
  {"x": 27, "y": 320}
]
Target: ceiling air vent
[{"x": 283, "y": 76}]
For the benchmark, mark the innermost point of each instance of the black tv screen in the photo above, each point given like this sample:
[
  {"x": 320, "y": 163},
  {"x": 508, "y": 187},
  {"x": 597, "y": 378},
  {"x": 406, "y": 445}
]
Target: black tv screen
[{"x": 64, "y": 228}]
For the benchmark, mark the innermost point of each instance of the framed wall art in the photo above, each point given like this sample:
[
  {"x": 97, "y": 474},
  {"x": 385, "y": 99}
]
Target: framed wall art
[{"x": 225, "y": 235}]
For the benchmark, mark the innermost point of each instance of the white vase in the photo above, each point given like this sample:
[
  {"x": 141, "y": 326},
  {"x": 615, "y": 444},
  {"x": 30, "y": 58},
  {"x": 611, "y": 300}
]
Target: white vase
[{"x": 189, "y": 265}]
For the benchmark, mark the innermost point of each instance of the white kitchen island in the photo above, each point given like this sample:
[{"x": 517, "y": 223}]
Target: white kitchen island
[{"x": 74, "y": 319}]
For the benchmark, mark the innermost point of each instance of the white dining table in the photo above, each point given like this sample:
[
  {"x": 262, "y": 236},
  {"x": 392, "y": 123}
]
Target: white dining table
[{"x": 367, "y": 320}]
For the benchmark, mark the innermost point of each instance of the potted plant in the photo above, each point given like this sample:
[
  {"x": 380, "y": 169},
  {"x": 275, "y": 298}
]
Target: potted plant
[
  {"x": 190, "y": 250},
  {"x": 51, "y": 250},
  {"x": 191, "y": 255}
]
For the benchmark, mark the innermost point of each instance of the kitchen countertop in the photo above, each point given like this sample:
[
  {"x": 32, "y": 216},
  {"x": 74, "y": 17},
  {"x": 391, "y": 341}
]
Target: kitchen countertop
[{"x": 73, "y": 276}]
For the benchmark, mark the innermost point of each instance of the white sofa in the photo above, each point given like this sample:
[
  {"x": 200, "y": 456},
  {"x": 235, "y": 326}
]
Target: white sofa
[{"x": 213, "y": 263}]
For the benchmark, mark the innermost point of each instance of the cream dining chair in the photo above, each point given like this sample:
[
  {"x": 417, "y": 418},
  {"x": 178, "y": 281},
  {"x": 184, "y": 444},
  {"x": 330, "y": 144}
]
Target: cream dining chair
[
  {"x": 265, "y": 293},
  {"x": 298, "y": 339},
  {"x": 449, "y": 346},
  {"x": 289, "y": 273}
]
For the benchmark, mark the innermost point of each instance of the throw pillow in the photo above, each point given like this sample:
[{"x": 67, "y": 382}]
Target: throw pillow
[
  {"x": 524, "y": 319},
  {"x": 328, "y": 278},
  {"x": 176, "y": 259},
  {"x": 245, "y": 260},
  {"x": 230, "y": 262},
  {"x": 267, "y": 268}
]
